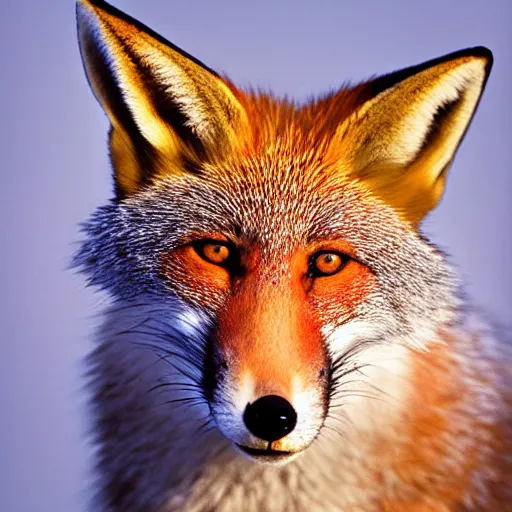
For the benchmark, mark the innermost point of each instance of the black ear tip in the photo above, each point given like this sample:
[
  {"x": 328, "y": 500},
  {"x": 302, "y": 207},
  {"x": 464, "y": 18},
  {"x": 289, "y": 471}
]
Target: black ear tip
[
  {"x": 477, "y": 52},
  {"x": 485, "y": 53},
  {"x": 91, "y": 3},
  {"x": 482, "y": 52}
]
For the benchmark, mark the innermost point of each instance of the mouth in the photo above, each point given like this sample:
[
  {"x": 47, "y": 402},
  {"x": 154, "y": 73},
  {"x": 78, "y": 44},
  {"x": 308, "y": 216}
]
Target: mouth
[{"x": 268, "y": 455}]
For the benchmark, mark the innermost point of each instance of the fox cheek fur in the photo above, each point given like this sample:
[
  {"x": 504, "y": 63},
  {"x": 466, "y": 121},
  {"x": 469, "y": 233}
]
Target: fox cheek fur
[{"x": 273, "y": 299}]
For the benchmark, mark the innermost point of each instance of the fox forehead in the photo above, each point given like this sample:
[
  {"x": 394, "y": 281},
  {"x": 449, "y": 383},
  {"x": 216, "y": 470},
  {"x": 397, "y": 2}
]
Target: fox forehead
[{"x": 273, "y": 200}]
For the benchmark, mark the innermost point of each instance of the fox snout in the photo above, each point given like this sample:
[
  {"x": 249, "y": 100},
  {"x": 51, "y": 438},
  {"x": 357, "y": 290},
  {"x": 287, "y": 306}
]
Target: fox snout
[
  {"x": 268, "y": 379},
  {"x": 263, "y": 419}
]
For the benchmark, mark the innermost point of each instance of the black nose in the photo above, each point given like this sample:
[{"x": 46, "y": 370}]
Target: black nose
[{"x": 270, "y": 418}]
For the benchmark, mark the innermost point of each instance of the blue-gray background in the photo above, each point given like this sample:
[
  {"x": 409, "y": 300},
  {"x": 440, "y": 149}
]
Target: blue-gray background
[{"x": 55, "y": 171}]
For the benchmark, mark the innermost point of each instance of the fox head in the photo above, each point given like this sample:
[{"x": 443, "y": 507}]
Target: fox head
[{"x": 279, "y": 242}]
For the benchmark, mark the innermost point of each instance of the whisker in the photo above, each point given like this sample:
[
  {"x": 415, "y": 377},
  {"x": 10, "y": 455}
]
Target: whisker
[
  {"x": 183, "y": 386},
  {"x": 193, "y": 399}
]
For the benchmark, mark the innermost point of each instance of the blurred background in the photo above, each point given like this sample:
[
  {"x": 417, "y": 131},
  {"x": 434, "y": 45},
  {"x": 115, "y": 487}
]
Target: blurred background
[{"x": 55, "y": 172}]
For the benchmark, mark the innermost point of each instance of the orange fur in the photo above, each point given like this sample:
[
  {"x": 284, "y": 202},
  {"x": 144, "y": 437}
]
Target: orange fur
[
  {"x": 280, "y": 184},
  {"x": 430, "y": 424},
  {"x": 268, "y": 331}
]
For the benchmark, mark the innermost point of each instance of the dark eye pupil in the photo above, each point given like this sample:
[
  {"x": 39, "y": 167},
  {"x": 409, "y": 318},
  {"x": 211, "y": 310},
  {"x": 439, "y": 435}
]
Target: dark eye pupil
[
  {"x": 216, "y": 249},
  {"x": 328, "y": 258}
]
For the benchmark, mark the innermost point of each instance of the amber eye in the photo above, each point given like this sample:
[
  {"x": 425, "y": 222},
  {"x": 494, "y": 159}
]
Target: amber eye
[
  {"x": 213, "y": 252},
  {"x": 326, "y": 264}
]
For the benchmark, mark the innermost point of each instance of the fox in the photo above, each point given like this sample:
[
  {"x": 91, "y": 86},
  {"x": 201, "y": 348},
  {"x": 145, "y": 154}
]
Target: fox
[{"x": 280, "y": 334}]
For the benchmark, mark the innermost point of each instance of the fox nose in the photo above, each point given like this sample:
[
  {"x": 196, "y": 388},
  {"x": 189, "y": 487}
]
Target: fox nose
[{"x": 270, "y": 417}]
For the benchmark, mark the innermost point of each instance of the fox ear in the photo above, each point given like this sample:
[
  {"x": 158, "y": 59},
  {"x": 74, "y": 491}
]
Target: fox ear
[
  {"x": 163, "y": 104},
  {"x": 402, "y": 139}
]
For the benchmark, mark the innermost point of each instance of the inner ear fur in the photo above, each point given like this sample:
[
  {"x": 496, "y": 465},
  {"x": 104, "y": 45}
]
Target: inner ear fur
[
  {"x": 164, "y": 105},
  {"x": 401, "y": 141}
]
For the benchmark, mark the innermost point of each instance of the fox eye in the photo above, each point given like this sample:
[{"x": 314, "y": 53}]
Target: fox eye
[
  {"x": 326, "y": 263},
  {"x": 217, "y": 253}
]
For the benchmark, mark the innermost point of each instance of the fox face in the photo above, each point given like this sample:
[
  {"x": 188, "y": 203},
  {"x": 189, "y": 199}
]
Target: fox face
[{"x": 278, "y": 244}]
